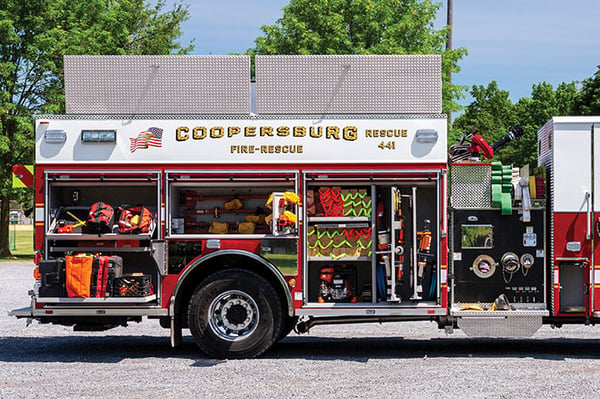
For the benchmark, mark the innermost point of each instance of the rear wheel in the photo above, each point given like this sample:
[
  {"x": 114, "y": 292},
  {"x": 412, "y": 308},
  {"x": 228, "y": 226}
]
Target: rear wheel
[
  {"x": 235, "y": 314},
  {"x": 287, "y": 327}
]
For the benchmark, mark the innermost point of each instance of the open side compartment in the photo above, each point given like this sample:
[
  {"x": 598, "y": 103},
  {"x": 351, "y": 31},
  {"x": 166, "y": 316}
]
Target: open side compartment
[
  {"x": 224, "y": 203},
  {"x": 372, "y": 241},
  {"x": 488, "y": 262},
  {"x": 141, "y": 253},
  {"x": 256, "y": 211}
]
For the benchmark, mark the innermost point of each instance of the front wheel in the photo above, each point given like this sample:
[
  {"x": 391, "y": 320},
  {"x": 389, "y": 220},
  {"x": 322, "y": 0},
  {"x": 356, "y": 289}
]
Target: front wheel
[{"x": 235, "y": 314}]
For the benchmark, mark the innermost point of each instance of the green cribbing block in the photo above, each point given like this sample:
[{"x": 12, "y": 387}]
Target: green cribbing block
[
  {"x": 507, "y": 179},
  {"x": 496, "y": 196},
  {"x": 506, "y": 188},
  {"x": 496, "y": 166},
  {"x": 496, "y": 179},
  {"x": 506, "y": 204}
]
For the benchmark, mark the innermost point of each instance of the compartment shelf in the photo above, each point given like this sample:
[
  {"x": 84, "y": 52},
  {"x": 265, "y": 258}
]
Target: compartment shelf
[
  {"x": 339, "y": 259},
  {"x": 95, "y": 237},
  {"x": 105, "y": 300},
  {"x": 338, "y": 219},
  {"x": 100, "y": 249}
]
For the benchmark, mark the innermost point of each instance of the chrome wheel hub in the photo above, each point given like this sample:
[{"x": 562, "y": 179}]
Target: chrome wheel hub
[{"x": 233, "y": 315}]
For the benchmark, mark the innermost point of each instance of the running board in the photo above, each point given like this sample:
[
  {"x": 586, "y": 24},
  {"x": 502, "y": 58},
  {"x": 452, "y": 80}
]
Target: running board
[
  {"x": 75, "y": 311},
  {"x": 22, "y": 312},
  {"x": 500, "y": 324}
]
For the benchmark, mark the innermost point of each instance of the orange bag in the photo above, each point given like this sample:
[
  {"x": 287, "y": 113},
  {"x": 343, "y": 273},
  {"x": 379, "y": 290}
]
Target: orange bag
[{"x": 79, "y": 275}]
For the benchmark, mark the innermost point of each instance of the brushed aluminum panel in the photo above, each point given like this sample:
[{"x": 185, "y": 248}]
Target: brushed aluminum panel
[
  {"x": 572, "y": 166},
  {"x": 157, "y": 84},
  {"x": 325, "y": 84}
]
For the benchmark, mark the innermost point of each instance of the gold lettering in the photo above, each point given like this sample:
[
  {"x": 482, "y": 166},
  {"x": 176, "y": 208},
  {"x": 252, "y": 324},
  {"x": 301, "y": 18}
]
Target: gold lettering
[
  {"x": 283, "y": 131},
  {"x": 233, "y": 130},
  {"x": 181, "y": 133},
  {"x": 199, "y": 133},
  {"x": 266, "y": 131},
  {"x": 332, "y": 132},
  {"x": 250, "y": 131},
  {"x": 315, "y": 132},
  {"x": 299, "y": 131},
  {"x": 217, "y": 132},
  {"x": 350, "y": 133}
]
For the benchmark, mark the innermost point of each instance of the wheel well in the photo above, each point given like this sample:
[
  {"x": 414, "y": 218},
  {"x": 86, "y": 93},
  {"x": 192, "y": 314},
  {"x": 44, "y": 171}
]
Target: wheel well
[{"x": 209, "y": 265}]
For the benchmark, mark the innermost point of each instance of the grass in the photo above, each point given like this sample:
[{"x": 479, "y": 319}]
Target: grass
[
  {"x": 286, "y": 263},
  {"x": 21, "y": 241}
]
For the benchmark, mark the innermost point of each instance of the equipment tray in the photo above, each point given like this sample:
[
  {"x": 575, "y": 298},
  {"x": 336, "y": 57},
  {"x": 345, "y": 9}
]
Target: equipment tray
[{"x": 107, "y": 300}]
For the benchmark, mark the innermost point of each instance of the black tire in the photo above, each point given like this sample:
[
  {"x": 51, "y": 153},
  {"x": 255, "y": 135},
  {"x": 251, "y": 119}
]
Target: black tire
[
  {"x": 235, "y": 314},
  {"x": 287, "y": 327}
]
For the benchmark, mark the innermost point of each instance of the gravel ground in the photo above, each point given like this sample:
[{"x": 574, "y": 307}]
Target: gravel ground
[{"x": 394, "y": 360}]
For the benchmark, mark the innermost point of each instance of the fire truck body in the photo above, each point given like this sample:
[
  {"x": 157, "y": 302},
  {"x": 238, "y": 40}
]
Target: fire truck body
[
  {"x": 304, "y": 211},
  {"x": 569, "y": 151}
]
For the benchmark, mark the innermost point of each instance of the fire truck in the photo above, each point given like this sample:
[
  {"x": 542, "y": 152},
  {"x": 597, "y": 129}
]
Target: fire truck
[{"x": 322, "y": 192}]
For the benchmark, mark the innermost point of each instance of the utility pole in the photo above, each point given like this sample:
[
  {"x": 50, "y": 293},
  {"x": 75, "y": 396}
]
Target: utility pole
[{"x": 449, "y": 44}]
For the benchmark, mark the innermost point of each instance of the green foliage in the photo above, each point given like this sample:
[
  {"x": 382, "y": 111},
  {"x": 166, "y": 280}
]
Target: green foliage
[
  {"x": 493, "y": 114},
  {"x": 34, "y": 36},
  {"x": 588, "y": 99},
  {"x": 532, "y": 113},
  {"x": 363, "y": 27}
]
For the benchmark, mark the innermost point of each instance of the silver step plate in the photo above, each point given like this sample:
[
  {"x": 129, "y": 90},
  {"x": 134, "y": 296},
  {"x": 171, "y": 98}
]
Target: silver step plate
[
  {"x": 500, "y": 324},
  {"x": 22, "y": 312}
]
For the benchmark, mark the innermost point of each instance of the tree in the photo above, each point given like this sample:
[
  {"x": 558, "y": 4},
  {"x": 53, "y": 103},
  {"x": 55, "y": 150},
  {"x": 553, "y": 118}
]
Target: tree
[
  {"x": 588, "y": 99},
  {"x": 35, "y": 34},
  {"x": 532, "y": 113},
  {"x": 493, "y": 114},
  {"x": 363, "y": 27}
]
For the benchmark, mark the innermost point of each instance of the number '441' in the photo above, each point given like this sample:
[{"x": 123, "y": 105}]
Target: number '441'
[{"x": 387, "y": 145}]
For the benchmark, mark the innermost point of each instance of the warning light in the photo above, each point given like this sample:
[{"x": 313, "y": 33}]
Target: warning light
[
  {"x": 426, "y": 136},
  {"x": 55, "y": 136},
  {"x": 292, "y": 282},
  {"x": 36, "y": 273},
  {"x": 98, "y": 136}
]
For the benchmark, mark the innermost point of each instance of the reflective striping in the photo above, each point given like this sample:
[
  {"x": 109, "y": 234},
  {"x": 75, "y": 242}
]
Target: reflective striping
[
  {"x": 22, "y": 176},
  {"x": 556, "y": 280},
  {"x": 597, "y": 276},
  {"x": 444, "y": 276},
  {"x": 39, "y": 215}
]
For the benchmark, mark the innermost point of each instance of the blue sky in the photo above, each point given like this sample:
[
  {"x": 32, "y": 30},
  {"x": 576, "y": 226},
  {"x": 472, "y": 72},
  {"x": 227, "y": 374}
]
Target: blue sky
[{"x": 515, "y": 42}]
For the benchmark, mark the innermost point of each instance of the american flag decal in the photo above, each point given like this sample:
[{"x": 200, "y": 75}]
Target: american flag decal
[{"x": 148, "y": 138}]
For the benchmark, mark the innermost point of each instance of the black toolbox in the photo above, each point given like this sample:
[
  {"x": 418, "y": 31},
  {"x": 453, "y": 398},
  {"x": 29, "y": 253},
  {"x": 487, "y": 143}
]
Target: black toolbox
[
  {"x": 53, "y": 274},
  {"x": 115, "y": 271}
]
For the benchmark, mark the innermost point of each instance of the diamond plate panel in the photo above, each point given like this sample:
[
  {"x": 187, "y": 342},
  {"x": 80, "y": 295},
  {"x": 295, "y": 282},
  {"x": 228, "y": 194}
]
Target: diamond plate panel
[
  {"x": 471, "y": 186},
  {"x": 157, "y": 84},
  {"x": 506, "y": 326},
  {"x": 325, "y": 84}
]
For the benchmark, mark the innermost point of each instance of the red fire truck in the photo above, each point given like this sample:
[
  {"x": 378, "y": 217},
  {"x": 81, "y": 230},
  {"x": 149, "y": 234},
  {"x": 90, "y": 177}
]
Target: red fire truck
[{"x": 322, "y": 193}]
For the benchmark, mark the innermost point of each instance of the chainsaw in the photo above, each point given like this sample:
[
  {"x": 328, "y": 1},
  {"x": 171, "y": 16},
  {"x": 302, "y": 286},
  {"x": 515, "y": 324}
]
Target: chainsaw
[{"x": 65, "y": 228}]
